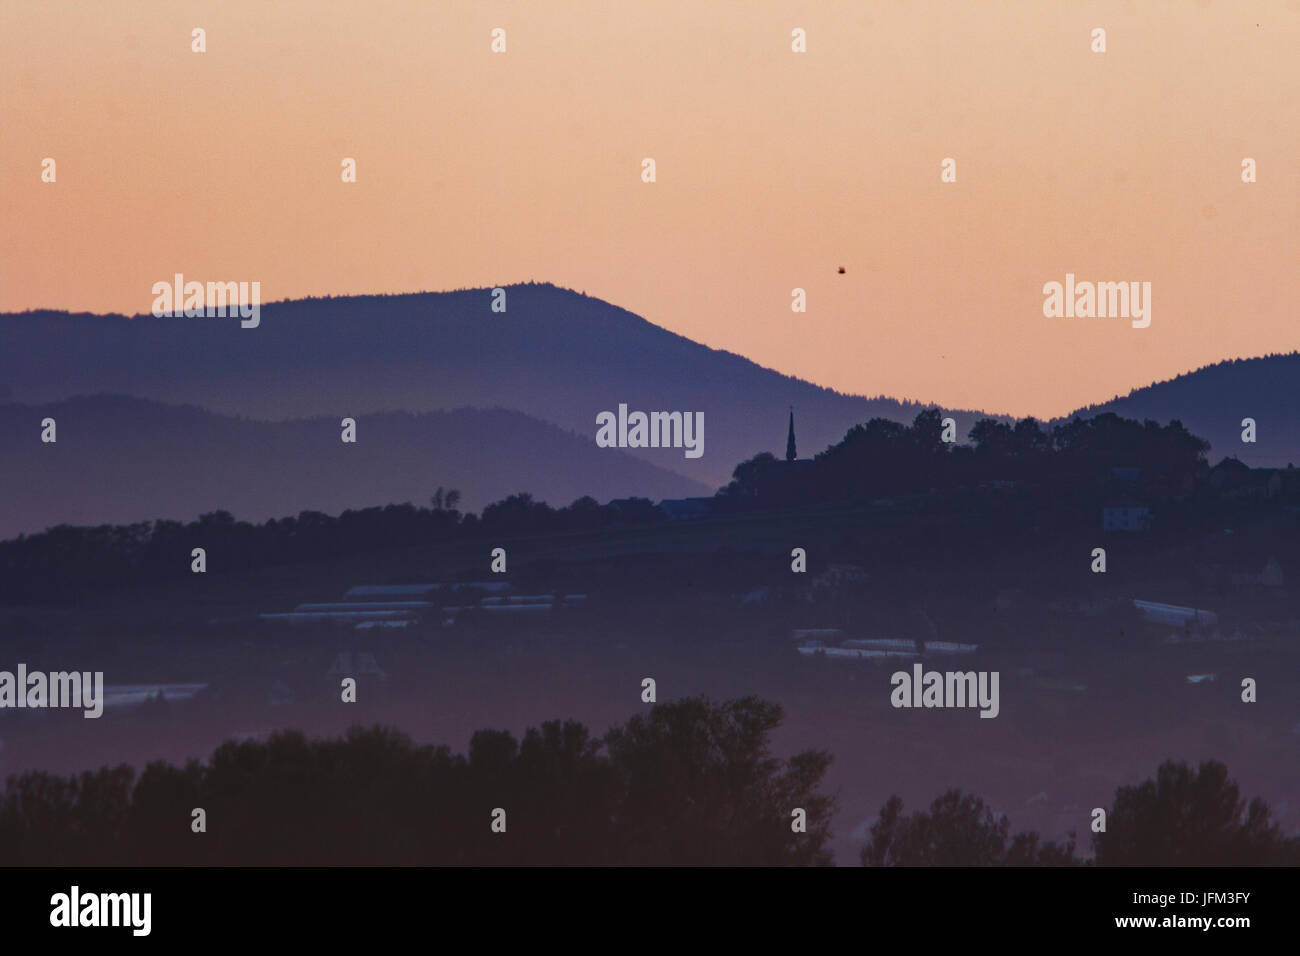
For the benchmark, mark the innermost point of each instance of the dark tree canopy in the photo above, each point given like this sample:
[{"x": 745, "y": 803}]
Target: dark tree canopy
[
  {"x": 1191, "y": 817},
  {"x": 957, "y": 830},
  {"x": 691, "y": 782},
  {"x": 883, "y": 457},
  {"x": 1184, "y": 817}
]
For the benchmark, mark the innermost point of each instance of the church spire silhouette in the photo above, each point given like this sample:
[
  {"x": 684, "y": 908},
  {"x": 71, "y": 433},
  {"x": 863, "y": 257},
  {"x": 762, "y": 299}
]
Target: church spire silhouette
[{"x": 790, "y": 454}]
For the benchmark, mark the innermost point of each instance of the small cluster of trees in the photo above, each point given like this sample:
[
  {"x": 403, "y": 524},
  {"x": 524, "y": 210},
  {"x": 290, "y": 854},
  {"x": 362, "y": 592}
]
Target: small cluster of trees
[
  {"x": 1184, "y": 817},
  {"x": 522, "y": 514},
  {"x": 884, "y": 457}
]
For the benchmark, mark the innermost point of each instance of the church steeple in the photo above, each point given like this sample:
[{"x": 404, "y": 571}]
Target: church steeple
[{"x": 790, "y": 454}]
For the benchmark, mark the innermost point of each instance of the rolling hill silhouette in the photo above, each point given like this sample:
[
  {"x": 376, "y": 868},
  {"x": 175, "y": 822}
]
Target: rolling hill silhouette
[
  {"x": 554, "y": 354},
  {"x": 121, "y": 459}
]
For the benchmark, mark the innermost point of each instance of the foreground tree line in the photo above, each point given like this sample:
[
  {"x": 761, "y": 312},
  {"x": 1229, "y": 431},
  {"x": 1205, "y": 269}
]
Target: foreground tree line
[
  {"x": 1184, "y": 817},
  {"x": 692, "y": 782}
]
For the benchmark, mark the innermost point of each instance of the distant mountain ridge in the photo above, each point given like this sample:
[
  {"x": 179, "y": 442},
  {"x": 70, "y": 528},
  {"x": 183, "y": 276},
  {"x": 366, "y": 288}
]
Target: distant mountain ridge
[
  {"x": 120, "y": 459},
  {"x": 557, "y": 355}
]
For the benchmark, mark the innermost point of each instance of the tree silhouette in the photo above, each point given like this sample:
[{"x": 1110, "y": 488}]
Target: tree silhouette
[
  {"x": 1187, "y": 817},
  {"x": 1183, "y": 817},
  {"x": 957, "y": 830},
  {"x": 701, "y": 787}
]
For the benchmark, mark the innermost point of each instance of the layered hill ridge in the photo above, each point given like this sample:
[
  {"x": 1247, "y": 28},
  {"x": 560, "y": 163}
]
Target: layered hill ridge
[
  {"x": 555, "y": 355},
  {"x": 119, "y": 459}
]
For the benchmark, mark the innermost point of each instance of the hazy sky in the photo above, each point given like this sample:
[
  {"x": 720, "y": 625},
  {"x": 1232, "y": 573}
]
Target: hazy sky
[{"x": 774, "y": 169}]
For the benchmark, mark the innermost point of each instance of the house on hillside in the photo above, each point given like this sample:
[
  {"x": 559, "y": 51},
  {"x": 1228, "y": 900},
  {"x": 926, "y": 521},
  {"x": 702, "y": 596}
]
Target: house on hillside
[{"x": 1230, "y": 476}]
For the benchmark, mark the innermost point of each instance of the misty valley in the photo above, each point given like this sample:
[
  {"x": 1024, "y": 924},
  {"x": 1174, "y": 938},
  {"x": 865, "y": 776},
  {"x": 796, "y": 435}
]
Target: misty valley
[{"x": 907, "y": 612}]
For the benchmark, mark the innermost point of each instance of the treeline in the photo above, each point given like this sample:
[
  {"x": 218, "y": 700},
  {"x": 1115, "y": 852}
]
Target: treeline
[
  {"x": 64, "y": 563},
  {"x": 883, "y": 458},
  {"x": 692, "y": 782},
  {"x": 1184, "y": 817},
  {"x": 880, "y": 458}
]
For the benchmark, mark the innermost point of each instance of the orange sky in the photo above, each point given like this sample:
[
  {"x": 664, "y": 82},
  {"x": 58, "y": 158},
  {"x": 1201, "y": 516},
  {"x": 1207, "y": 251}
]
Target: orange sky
[{"x": 774, "y": 169}]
